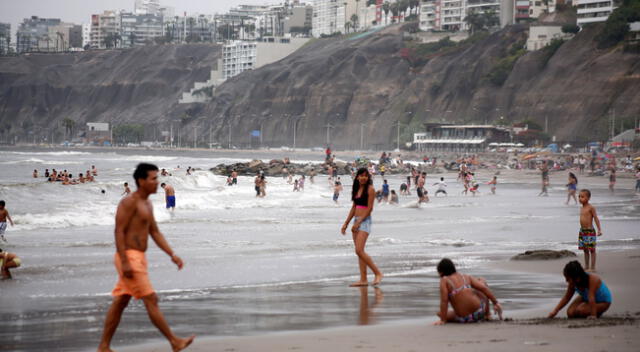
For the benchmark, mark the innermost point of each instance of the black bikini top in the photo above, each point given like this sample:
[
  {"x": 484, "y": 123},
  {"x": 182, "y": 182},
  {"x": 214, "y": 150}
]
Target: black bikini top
[{"x": 363, "y": 200}]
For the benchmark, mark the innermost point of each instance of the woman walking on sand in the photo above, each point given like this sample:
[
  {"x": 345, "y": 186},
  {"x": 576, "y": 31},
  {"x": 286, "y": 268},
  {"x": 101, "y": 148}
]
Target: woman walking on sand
[
  {"x": 362, "y": 195},
  {"x": 572, "y": 186}
]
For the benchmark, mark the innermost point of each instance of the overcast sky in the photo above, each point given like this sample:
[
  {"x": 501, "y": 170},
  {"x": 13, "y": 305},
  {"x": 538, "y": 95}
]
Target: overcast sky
[{"x": 79, "y": 11}]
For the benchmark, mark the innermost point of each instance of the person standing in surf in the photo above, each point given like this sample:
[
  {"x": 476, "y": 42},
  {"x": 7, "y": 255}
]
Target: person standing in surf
[{"x": 362, "y": 195}]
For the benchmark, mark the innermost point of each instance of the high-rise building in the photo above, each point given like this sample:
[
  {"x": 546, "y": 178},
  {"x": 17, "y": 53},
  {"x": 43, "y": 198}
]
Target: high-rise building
[
  {"x": 449, "y": 15},
  {"x": 237, "y": 57},
  {"x": 86, "y": 34},
  {"x": 590, "y": 11},
  {"x": 5, "y": 38},
  {"x": 329, "y": 16},
  {"x": 300, "y": 18},
  {"x": 104, "y": 27},
  {"x": 139, "y": 29},
  {"x": 146, "y": 7},
  {"x": 33, "y": 34}
]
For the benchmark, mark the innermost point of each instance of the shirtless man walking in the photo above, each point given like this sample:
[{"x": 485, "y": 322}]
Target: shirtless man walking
[
  {"x": 169, "y": 196},
  {"x": 134, "y": 224},
  {"x": 4, "y": 216}
]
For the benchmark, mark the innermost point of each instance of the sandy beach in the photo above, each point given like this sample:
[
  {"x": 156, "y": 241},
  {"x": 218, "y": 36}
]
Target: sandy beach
[
  {"x": 617, "y": 330},
  {"x": 272, "y": 274}
]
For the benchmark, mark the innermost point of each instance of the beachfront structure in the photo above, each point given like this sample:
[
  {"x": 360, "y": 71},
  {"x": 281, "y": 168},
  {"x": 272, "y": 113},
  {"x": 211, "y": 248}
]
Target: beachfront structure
[
  {"x": 86, "y": 34},
  {"x": 541, "y": 34},
  {"x": 590, "y": 11},
  {"x": 97, "y": 133},
  {"x": 449, "y": 15},
  {"x": 5, "y": 38},
  {"x": 196, "y": 28},
  {"x": 146, "y": 7},
  {"x": 331, "y": 16},
  {"x": 299, "y": 20},
  {"x": 139, "y": 29},
  {"x": 237, "y": 57},
  {"x": 240, "y": 56},
  {"x": 33, "y": 34},
  {"x": 459, "y": 138},
  {"x": 103, "y": 27}
]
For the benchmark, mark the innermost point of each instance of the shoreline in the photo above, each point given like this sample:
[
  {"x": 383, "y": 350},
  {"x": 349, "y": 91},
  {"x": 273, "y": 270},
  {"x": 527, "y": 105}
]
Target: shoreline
[{"x": 617, "y": 330}]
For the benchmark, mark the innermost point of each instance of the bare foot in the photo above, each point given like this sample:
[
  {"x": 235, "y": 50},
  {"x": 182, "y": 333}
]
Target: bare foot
[
  {"x": 359, "y": 284},
  {"x": 181, "y": 344},
  {"x": 104, "y": 349},
  {"x": 377, "y": 279}
]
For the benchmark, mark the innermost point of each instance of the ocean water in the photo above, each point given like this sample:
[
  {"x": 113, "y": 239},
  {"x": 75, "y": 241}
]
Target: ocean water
[{"x": 262, "y": 265}]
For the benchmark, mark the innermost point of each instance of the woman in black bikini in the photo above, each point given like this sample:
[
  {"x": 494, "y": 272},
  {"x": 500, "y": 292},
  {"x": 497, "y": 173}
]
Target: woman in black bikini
[{"x": 363, "y": 195}]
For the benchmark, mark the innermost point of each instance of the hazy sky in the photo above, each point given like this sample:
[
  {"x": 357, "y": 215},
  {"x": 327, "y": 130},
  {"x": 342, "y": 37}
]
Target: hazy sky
[{"x": 79, "y": 11}]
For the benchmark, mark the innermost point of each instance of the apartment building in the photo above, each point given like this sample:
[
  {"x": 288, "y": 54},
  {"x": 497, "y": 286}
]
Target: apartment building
[
  {"x": 237, "y": 57},
  {"x": 328, "y": 17},
  {"x": 33, "y": 34},
  {"x": 102, "y": 26},
  {"x": 146, "y": 7},
  {"x": 139, "y": 29},
  {"x": 5, "y": 38},
  {"x": 449, "y": 15},
  {"x": 590, "y": 11}
]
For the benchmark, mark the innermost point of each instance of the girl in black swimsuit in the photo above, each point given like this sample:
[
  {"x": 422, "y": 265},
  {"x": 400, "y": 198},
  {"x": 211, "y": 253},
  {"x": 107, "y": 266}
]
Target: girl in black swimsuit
[{"x": 363, "y": 195}]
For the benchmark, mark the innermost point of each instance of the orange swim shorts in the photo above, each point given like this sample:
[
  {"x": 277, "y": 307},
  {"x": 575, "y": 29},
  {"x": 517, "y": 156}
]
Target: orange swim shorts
[{"x": 139, "y": 285}]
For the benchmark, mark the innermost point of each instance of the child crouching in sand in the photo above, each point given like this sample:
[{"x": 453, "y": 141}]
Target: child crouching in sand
[
  {"x": 469, "y": 296},
  {"x": 594, "y": 295}
]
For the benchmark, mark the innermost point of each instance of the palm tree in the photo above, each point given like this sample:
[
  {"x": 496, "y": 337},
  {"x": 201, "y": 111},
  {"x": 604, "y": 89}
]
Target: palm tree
[
  {"x": 395, "y": 10},
  {"x": 403, "y": 5},
  {"x": 354, "y": 21},
  {"x": 357, "y": 9},
  {"x": 60, "y": 40},
  {"x": 68, "y": 126},
  {"x": 386, "y": 7},
  {"x": 414, "y": 4}
]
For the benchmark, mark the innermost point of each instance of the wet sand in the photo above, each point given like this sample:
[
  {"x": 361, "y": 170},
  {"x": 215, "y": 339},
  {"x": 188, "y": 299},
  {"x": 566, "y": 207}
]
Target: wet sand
[{"x": 618, "y": 330}]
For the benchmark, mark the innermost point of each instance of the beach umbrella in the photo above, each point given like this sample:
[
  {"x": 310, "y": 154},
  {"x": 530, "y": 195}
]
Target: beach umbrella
[{"x": 530, "y": 156}]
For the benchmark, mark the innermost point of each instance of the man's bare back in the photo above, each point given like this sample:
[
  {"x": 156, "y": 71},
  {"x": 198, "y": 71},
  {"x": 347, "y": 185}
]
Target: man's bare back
[
  {"x": 3, "y": 215},
  {"x": 169, "y": 191}
]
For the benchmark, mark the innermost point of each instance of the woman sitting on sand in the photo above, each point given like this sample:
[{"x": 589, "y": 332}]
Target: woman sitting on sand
[
  {"x": 594, "y": 299},
  {"x": 469, "y": 296}
]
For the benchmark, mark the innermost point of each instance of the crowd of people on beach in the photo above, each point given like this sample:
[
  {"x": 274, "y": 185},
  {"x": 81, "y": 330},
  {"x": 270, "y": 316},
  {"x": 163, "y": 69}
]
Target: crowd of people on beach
[{"x": 470, "y": 297}]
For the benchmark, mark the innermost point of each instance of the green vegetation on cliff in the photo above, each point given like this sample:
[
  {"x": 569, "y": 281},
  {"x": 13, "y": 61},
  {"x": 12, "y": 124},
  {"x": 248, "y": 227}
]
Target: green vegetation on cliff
[{"x": 617, "y": 26}]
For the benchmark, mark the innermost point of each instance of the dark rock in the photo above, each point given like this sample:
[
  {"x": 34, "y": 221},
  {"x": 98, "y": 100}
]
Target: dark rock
[{"x": 543, "y": 254}]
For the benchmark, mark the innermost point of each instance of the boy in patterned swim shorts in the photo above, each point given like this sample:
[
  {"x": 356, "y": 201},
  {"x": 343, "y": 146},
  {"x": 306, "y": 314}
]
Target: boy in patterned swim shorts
[{"x": 587, "y": 235}]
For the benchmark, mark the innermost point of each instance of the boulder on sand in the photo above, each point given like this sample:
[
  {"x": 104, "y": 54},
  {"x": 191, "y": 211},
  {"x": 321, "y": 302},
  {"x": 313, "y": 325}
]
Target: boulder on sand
[{"x": 543, "y": 254}]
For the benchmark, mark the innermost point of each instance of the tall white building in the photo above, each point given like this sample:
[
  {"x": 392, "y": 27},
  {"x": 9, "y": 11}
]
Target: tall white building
[
  {"x": 237, "y": 57},
  {"x": 144, "y": 7},
  {"x": 328, "y": 17},
  {"x": 590, "y": 11},
  {"x": 86, "y": 34},
  {"x": 102, "y": 26},
  {"x": 449, "y": 15}
]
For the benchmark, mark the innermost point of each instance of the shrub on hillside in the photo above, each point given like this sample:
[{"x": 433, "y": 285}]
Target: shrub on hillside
[
  {"x": 617, "y": 25},
  {"x": 570, "y": 28}
]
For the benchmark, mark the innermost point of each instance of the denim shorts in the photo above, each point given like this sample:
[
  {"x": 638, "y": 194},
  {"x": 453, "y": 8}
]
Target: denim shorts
[{"x": 365, "y": 225}]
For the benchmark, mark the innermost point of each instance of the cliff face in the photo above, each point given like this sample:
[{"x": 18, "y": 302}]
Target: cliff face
[
  {"x": 357, "y": 85},
  {"x": 142, "y": 85},
  {"x": 364, "y": 85}
]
